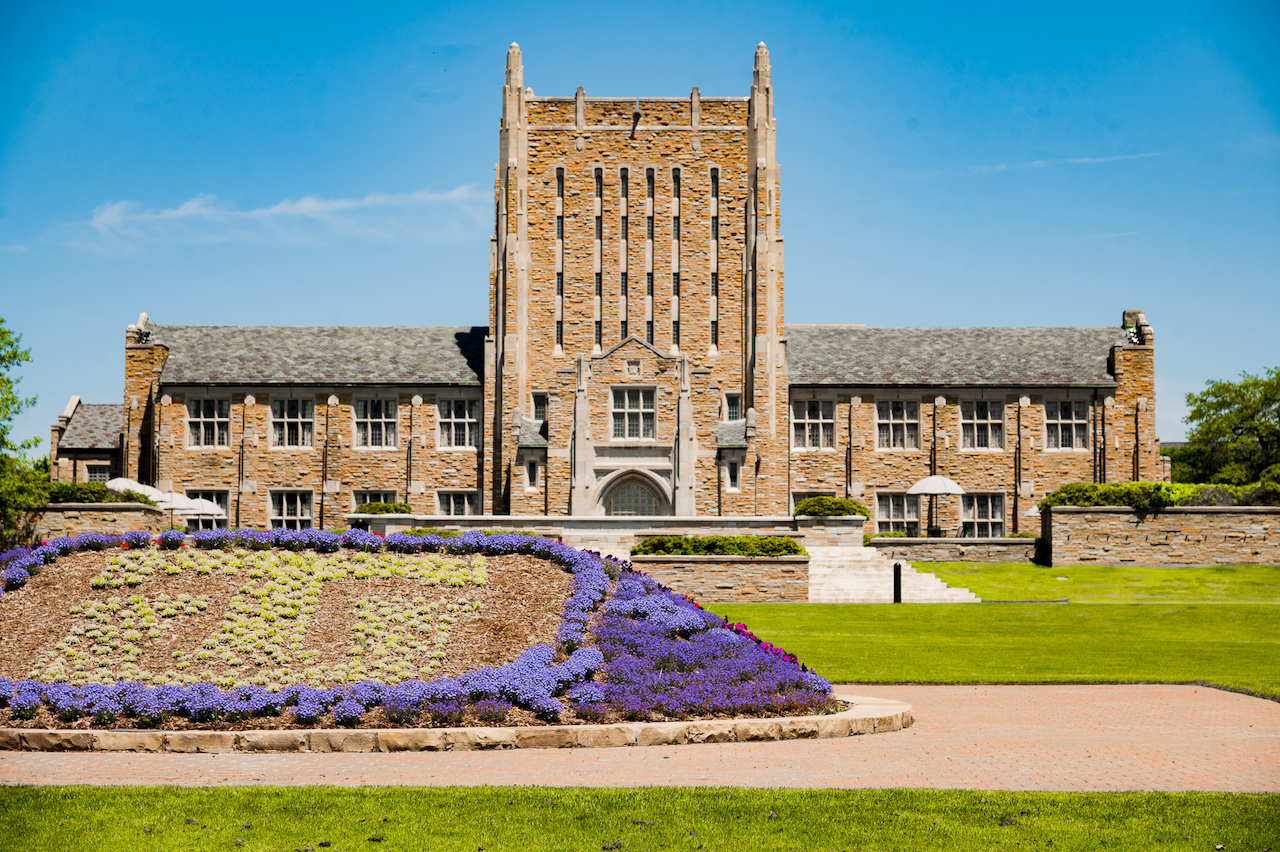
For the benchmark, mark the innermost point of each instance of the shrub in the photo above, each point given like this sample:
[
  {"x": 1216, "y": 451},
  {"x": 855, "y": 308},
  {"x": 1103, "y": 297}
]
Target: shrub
[
  {"x": 93, "y": 492},
  {"x": 382, "y": 509},
  {"x": 1210, "y": 496},
  {"x": 830, "y": 506},
  {"x": 866, "y": 539},
  {"x": 419, "y": 532},
  {"x": 1144, "y": 496},
  {"x": 718, "y": 545}
]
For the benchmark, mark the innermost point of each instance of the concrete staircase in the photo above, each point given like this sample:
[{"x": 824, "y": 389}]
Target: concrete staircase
[{"x": 862, "y": 575}]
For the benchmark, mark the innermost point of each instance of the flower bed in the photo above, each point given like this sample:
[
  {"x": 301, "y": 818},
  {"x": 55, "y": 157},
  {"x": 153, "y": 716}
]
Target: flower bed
[{"x": 629, "y": 649}]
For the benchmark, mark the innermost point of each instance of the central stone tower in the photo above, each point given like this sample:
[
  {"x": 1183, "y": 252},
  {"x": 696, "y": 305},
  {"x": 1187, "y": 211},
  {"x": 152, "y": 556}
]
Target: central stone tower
[{"x": 636, "y": 362}]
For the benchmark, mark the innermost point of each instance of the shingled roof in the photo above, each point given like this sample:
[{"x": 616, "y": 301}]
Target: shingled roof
[
  {"x": 93, "y": 427},
  {"x": 326, "y": 355},
  {"x": 972, "y": 357}
]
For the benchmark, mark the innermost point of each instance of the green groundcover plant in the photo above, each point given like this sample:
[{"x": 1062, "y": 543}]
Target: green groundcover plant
[
  {"x": 830, "y": 506},
  {"x": 1153, "y": 496},
  {"x": 93, "y": 492}
]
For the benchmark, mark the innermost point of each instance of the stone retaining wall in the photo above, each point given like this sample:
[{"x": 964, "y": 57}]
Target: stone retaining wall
[
  {"x": 615, "y": 536},
  {"x": 1180, "y": 535},
  {"x": 956, "y": 549},
  {"x": 72, "y": 519},
  {"x": 731, "y": 579},
  {"x": 867, "y": 716}
]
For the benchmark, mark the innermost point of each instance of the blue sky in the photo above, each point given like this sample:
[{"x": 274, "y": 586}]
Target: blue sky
[{"x": 943, "y": 164}]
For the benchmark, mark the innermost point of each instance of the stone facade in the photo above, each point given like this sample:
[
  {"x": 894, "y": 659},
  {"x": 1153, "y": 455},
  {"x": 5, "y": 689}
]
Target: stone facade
[
  {"x": 1181, "y": 535},
  {"x": 957, "y": 549},
  {"x": 636, "y": 361}
]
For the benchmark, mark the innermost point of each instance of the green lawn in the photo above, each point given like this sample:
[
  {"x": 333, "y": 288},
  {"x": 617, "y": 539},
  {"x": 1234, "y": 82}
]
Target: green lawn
[
  {"x": 1231, "y": 584},
  {"x": 1229, "y": 645},
  {"x": 525, "y": 818}
]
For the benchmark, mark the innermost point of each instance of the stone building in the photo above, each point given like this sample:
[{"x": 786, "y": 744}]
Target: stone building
[{"x": 636, "y": 361}]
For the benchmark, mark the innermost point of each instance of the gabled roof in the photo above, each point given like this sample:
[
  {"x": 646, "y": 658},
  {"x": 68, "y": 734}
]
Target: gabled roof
[
  {"x": 94, "y": 427},
  {"x": 327, "y": 355},
  {"x": 973, "y": 357}
]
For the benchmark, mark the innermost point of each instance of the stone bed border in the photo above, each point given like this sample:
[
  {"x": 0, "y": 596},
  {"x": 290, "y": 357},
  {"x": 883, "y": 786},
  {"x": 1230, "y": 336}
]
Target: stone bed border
[{"x": 867, "y": 716}]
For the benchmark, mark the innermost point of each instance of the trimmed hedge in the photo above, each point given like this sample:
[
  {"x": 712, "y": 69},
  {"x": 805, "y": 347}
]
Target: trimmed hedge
[
  {"x": 93, "y": 492},
  {"x": 830, "y": 506},
  {"x": 719, "y": 545},
  {"x": 1152, "y": 496},
  {"x": 382, "y": 509}
]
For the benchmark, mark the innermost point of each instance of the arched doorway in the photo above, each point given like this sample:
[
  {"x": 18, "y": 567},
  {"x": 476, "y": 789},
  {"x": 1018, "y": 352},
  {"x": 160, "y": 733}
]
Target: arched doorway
[{"x": 633, "y": 498}]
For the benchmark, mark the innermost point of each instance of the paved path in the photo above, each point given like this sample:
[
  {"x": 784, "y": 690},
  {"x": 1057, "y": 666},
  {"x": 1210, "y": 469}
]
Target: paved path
[{"x": 971, "y": 737}]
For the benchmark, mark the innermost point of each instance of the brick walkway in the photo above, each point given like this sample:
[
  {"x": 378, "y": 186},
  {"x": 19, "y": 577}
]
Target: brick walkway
[{"x": 976, "y": 737}]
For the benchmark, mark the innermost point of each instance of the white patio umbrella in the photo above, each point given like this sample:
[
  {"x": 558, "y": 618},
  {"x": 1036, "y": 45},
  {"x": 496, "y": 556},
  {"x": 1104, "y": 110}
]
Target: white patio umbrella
[
  {"x": 201, "y": 506},
  {"x": 934, "y": 486},
  {"x": 120, "y": 484}
]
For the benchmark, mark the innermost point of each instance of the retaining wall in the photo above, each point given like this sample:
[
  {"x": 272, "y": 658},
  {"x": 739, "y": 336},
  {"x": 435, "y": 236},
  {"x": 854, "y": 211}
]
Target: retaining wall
[
  {"x": 731, "y": 579},
  {"x": 957, "y": 549},
  {"x": 1179, "y": 535},
  {"x": 72, "y": 519}
]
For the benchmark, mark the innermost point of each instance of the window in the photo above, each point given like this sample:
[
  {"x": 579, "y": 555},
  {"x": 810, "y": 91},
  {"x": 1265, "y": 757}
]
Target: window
[
  {"x": 632, "y": 499},
  {"x": 648, "y": 179},
  {"x": 650, "y": 227},
  {"x": 599, "y": 227},
  {"x": 539, "y": 406},
  {"x": 715, "y": 227},
  {"x": 622, "y": 284},
  {"x": 208, "y": 422},
  {"x": 291, "y": 422},
  {"x": 813, "y": 424},
  {"x": 715, "y": 183},
  {"x": 559, "y": 227},
  {"x": 599, "y": 284},
  {"x": 675, "y": 228},
  {"x": 897, "y": 425},
  {"x": 898, "y": 513},
  {"x": 376, "y": 422},
  {"x": 675, "y": 333},
  {"x": 559, "y": 283},
  {"x": 457, "y": 502},
  {"x": 648, "y": 283},
  {"x": 675, "y": 183},
  {"x": 290, "y": 510},
  {"x": 623, "y": 330},
  {"x": 625, "y": 230},
  {"x": 733, "y": 406},
  {"x": 715, "y": 283},
  {"x": 599, "y": 183},
  {"x": 559, "y": 183},
  {"x": 209, "y": 522},
  {"x": 531, "y": 475},
  {"x": 1066, "y": 425},
  {"x": 675, "y": 283},
  {"x": 363, "y": 497},
  {"x": 459, "y": 422},
  {"x": 626, "y": 183},
  {"x": 982, "y": 515},
  {"x": 559, "y": 332},
  {"x": 648, "y": 331},
  {"x": 715, "y": 332},
  {"x": 98, "y": 472},
  {"x": 981, "y": 425},
  {"x": 733, "y": 474},
  {"x": 599, "y": 333},
  {"x": 633, "y": 412}
]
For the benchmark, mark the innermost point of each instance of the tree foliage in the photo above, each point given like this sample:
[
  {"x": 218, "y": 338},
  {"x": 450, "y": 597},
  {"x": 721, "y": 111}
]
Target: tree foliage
[
  {"x": 1235, "y": 431},
  {"x": 22, "y": 481}
]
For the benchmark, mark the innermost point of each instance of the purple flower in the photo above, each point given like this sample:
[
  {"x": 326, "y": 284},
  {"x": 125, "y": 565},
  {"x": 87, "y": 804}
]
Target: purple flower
[
  {"x": 137, "y": 538},
  {"x": 172, "y": 539}
]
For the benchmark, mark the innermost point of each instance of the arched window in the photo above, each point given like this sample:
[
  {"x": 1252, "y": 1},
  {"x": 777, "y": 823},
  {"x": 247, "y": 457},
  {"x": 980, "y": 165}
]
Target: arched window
[{"x": 632, "y": 499}]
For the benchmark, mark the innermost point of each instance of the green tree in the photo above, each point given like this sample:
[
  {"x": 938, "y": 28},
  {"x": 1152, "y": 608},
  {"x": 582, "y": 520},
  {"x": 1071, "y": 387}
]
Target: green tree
[
  {"x": 1235, "y": 431},
  {"x": 22, "y": 481}
]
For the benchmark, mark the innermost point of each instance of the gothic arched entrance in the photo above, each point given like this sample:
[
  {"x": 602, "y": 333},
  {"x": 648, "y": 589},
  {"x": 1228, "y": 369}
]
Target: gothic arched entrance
[{"x": 633, "y": 497}]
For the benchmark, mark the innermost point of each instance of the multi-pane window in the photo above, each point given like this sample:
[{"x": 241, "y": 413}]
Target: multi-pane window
[
  {"x": 648, "y": 331},
  {"x": 363, "y": 497},
  {"x": 599, "y": 283},
  {"x": 813, "y": 423},
  {"x": 459, "y": 422},
  {"x": 376, "y": 421},
  {"x": 290, "y": 510},
  {"x": 292, "y": 422},
  {"x": 633, "y": 412},
  {"x": 1066, "y": 425},
  {"x": 981, "y": 425},
  {"x": 209, "y": 521},
  {"x": 559, "y": 332},
  {"x": 733, "y": 406},
  {"x": 715, "y": 283},
  {"x": 208, "y": 422},
  {"x": 539, "y": 406},
  {"x": 648, "y": 283},
  {"x": 675, "y": 332},
  {"x": 98, "y": 472},
  {"x": 897, "y": 425},
  {"x": 622, "y": 331},
  {"x": 599, "y": 333},
  {"x": 982, "y": 515},
  {"x": 898, "y": 513},
  {"x": 715, "y": 332},
  {"x": 457, "y": 502}
]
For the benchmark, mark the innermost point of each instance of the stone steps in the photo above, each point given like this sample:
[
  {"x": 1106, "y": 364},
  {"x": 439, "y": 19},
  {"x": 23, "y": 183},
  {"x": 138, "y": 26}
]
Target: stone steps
[{"x": 862, "y": 575}]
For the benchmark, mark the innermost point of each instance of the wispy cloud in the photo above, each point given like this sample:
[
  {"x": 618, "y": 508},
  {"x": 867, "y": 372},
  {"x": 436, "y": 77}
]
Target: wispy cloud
[
  {"x": 997, "y": 168},
  {"x": 15, "y": 248},
  {"x": 421, "y": 216}
]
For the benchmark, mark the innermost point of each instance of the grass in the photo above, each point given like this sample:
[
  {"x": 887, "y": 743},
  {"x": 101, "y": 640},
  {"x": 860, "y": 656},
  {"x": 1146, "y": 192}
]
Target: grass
[
  {"x": 1227, "y": 584},
  {"x": 1237, "y": 646},
  {"x": 1220, "y": 625},
  {"x": 106, "y": 819}
]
